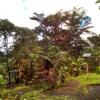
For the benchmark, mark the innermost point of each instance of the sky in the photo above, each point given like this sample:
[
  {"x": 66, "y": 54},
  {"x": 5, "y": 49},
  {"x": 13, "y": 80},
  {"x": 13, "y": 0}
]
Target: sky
[{"x": 19, "y": 11}]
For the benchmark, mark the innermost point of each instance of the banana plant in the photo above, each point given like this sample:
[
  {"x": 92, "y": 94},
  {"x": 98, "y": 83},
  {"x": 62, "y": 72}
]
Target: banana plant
[{"x": 77, "y": 66}]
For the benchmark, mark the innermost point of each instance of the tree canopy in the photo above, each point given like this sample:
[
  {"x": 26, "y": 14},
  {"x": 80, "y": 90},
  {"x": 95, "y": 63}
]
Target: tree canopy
[
  {"x": 98, "y": 1},
  {"x": 64, "y": 29},
  {"x": 95, "y": 40}
]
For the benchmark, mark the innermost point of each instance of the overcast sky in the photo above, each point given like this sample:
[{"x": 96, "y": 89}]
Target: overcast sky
[{"x": 19, "y": 11}]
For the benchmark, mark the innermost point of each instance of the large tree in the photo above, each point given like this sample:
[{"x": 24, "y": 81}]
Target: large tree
[
  {"x": 6, "y": 30},
  {"x": 24, "y": 40},
  {"x": 63, "y": 29},
  {"x": 24, "y": 44}
]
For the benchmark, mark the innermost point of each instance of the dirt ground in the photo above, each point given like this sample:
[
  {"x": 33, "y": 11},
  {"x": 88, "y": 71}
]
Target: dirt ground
[{"x": 74, "y": 90}]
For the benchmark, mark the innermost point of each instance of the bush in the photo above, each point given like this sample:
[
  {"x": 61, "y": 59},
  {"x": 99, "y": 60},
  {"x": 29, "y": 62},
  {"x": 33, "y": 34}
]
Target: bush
[
  {"x": 98, "y": 69},
  {"x": 2, "y": 81}
]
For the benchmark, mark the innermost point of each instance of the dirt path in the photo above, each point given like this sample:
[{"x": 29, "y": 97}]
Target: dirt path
[{"x": 71, "y": 89}]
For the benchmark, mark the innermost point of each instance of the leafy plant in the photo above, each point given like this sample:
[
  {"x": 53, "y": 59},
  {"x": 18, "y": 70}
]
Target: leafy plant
[
  {"x": 77, "y": 66},
  {"x": 2, "y": 80}
]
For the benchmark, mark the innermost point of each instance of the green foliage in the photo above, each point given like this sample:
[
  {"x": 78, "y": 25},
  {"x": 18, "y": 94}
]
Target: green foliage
[
  {"x": 3, "y": 69},
  {"x": 98, "y": 1},
  {"x": 6, "y": 29},
  {"x": 51, "y": 28},
  {"x": 90, "y": 78},
  {"x": 95, "y": 51},
  {"x": 62, "y": 63},
  {"x": 77, "y": 65},
  {"x": 2, "y": 80},
  {"x": 6, "y": 25},
  {"x": 98, "y": 69},
  {"x": 24, "y": 41},
  {"x": 95, "y": 40},
  {"x": 94, "y": 60}
]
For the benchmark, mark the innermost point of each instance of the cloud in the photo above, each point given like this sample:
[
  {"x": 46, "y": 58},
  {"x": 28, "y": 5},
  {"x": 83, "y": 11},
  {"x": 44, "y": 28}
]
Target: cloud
[{"x": 19, "y": 11}]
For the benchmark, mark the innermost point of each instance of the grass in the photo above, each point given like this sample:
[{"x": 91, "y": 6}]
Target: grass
[
  {"x": 89, "y": 79},
  {"x": 37, "y": 95},
  {"x": 28, "y": 93},
  {"x": 11, "y": 94}
]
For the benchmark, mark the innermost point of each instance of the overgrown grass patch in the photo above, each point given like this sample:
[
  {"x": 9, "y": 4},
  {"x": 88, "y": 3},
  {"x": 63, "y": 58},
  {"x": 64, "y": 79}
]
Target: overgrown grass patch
[
  {"x": 11, "y": 94},
  {"x": 29, "y": 93},
  {"x": 88, "y": 79},
  {"x": 37, "y": 95}
]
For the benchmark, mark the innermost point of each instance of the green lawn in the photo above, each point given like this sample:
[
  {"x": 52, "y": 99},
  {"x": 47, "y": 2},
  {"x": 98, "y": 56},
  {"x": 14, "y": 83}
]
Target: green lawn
[{"x": 90, "y": 78}]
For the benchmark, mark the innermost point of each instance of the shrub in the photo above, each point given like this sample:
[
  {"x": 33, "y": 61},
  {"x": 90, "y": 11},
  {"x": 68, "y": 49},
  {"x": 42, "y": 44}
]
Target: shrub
[
  {"x": 98, "y": 69},
  {"x": 2, "y": 81}
]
